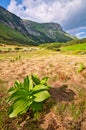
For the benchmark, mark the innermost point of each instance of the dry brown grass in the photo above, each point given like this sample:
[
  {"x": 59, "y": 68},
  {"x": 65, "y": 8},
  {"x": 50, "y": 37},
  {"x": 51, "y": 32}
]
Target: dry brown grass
[
  {"x": 64, "y": 79},
  {"x": 60, "y": 68}
]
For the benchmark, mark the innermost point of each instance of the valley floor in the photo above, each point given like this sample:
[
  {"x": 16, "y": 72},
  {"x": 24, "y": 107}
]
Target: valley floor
[{"x": 66, "y": 110}]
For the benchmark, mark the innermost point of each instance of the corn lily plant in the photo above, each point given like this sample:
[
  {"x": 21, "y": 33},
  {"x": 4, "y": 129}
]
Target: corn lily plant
[{"x": 27, "y": 95}]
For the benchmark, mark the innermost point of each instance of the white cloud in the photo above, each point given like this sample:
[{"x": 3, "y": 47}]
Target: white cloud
[
  {"x": 80, "y": 34},
  {"x": 66, "y": 12},
  {"x": 75, "y": 30},
  {"x": 42, "y": 11}
]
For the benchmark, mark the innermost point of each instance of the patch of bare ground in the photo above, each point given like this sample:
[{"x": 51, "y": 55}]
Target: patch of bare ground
[{"x": 68, "y": 91}]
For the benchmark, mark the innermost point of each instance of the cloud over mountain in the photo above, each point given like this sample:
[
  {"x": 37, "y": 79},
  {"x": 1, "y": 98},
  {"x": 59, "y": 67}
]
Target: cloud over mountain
[{"x": 69, "y": 13}]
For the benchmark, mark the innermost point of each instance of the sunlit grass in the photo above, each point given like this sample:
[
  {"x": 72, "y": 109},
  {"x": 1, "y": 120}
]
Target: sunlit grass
[
  {"x": 26, "y": 54},
  {"x": 78, "y": 48}
]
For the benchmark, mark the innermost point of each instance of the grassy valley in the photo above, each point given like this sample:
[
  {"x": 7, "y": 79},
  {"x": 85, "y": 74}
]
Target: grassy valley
[
  {"x": 67, "y": 77},
  {"x": 77, "y": 48}
]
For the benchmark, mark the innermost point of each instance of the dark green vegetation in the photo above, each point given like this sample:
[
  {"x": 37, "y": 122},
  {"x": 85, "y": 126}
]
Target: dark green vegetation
[
  {"x": 77, "y": 46},
  {"x": 28, "y": 95},
  {"x": 9, "y": 36},
  {"x": 11, "y": 20},
  {"x": 14, "y": 30},
  {"x": 76, "y": 41},
  {"x": 52, "y": 46}
]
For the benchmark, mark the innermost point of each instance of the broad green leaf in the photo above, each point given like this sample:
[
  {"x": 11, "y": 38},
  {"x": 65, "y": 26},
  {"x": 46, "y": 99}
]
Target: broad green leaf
[
  {"x": 36, "y": 106},
  {"x": 28, "y": 94},
  {"x": 44, "y": 80},
  {"x": 10, "y": 110},
  {"x": 17, "y": 84},
  {"x": 11, "y": 90},
  {"x": 41, "y": 96},
  {"x": 18, "y": 107},
  {"x": 40, "y": 87},
  {"x": 35, "y": 79},
  {"x": 28, "y": 83},
  {"x": 19, "y": 93}
]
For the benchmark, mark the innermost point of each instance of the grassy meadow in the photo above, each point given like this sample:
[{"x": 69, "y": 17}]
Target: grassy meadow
[
  {"x": 77, "y": 48},
  {"x": 66, "y": 108}
]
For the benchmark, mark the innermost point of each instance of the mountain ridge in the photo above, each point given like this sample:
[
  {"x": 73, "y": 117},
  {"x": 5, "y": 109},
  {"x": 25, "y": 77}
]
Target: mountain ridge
[{"x": 37, "y": 33}]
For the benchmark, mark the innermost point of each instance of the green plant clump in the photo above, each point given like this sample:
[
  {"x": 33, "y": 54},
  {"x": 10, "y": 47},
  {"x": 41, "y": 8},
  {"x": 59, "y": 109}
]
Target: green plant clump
[
  {"x": 81, "y": 67},
  {"x": 27, "y": 95}
]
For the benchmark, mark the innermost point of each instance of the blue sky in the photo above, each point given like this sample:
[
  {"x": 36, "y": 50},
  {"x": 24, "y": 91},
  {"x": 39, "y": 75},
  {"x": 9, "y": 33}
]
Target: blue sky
[
  {"x": 71, "y": 14},
  {"x": 4, "y": 3}
]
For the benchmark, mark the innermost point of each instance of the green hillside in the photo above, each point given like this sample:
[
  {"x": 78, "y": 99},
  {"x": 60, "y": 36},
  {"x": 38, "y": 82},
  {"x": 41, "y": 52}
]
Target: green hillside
[
  {"x": 15, "y": 30},
  {"x": 77, "y": 48},
  {"x": 8, "y": 35},
  {"x": 47, "y": 32},
  {"x": 53, "y": 30},
  {"x": 76, "y": 41}
]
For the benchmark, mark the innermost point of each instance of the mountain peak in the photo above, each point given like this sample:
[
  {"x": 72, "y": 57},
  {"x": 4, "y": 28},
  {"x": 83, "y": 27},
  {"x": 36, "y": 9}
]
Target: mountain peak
[{"x": 38, "y": 32}]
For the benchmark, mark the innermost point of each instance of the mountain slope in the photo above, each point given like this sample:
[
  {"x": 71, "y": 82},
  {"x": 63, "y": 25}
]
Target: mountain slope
[
  {"x": 51, "y": 30},
  {"x": 11, "y": 36},
  {"x": 13, "y": 28},
  {"x": 15, "y": 23},
  {"x": 11, "y": 20}
]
